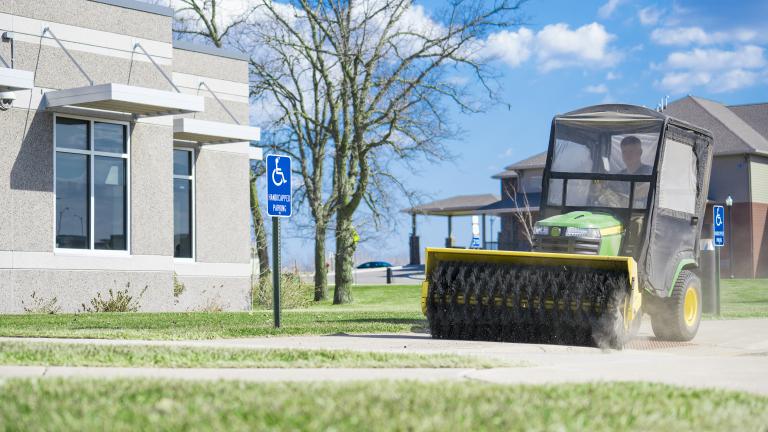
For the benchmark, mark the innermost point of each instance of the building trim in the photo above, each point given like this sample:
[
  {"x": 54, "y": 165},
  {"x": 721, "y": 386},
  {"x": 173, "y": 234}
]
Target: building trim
[
  {"x": 28, "y": 30},
  {"x": 139, "y": 6},
  {"x": 17, "y": 260},
  {"x": 205, "y": 49},
  {"x": 753, "y": 263}
]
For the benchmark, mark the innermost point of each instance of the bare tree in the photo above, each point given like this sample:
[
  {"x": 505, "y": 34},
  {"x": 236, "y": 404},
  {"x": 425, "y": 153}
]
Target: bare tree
[
  {"x": 388, "y": 84},
  {"x": 360, "y": 83},
  {"x": 522, "y": 214}
]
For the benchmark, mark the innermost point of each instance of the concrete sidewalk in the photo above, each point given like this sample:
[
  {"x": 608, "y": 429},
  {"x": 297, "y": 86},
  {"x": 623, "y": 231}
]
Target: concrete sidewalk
[{"x": 727, "y": 354}]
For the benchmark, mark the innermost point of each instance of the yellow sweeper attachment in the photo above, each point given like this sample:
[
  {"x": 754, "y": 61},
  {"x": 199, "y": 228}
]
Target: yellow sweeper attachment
[{"x": 530, "y": 297}]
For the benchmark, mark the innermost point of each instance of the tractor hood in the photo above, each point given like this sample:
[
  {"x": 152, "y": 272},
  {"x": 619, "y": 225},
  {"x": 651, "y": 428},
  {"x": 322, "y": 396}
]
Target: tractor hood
[{"x": 582, "y": 219}]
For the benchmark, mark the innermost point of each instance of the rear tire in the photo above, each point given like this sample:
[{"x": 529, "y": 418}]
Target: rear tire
[{"x": 677, "y": 318}]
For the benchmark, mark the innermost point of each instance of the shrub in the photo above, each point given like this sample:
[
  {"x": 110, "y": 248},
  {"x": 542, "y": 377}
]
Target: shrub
[
  {"x": 119, "y": 302},
  {"x": 178, "y": 289},
  {"x": 293, "y": 293},
  {"x": 40, "y": 305}
]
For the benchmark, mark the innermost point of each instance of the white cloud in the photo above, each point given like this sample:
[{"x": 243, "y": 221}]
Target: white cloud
[
  {"x": 684, "y": 36},
  {"x": 748, "y": 57},
  {"x": 558, "y": 46},
  {"x": 513, "y": 48},
  {"x": 715, "y": 69},
  {"x": 553, "y": 47},
  {"x": 649, "y": 15},
  {"x": 608, "y": 8},
  {"x": 597, "y": 89},
  {"x": 610, "y": 76}
]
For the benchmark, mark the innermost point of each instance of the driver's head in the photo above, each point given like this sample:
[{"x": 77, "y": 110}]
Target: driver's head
[{"x": 631, "y": 152}]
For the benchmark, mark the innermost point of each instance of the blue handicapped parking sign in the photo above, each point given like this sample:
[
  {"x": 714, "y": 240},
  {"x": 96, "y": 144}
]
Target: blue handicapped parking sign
[
  {"x": 718, "y": 224},
  {"x": 279, "y": 186}
]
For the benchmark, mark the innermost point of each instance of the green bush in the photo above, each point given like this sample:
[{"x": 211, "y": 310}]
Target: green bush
[{"x": 293, "y": 293}]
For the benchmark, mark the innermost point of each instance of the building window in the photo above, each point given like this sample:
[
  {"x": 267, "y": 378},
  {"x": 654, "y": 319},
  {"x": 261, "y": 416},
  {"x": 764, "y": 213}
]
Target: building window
[
  {"x": 183, "y": 203},
  {"x": 91, "y": 167}
]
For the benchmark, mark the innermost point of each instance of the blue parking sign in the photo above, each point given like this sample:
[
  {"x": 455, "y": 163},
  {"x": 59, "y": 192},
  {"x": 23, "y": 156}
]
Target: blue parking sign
[
  {"x": 278, "y": 186},
  {"x": 718, "y": 224}
]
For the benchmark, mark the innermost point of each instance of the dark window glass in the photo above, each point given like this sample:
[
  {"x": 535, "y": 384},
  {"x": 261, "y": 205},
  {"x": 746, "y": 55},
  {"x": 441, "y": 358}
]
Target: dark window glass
[
  {"x": 72, "y": 209},
  {"x": 182, "y": 162},
  {"x": 109, "y": 197},
  {"x": 109, "y": 137},
  {"x": 72, "y": 133},
  {"x": 182, "y": 218}
]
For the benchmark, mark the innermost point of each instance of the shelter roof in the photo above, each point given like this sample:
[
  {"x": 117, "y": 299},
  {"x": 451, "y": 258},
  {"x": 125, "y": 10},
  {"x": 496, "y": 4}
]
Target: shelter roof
[{"x": 460, "y": 205}]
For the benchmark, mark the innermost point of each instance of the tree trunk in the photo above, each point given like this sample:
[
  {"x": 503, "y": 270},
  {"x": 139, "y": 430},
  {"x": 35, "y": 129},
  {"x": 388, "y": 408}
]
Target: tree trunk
[
  {"x": 321, "y": 271},
  {"x": 261, "y": 234},
  {"x": 345, "y": 250}
]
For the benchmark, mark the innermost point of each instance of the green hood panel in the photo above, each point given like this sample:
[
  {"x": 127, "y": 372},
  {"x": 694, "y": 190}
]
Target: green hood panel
[{"x": 582, "y": 219}]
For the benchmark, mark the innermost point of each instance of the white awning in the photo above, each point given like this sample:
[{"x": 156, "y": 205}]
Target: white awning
[
  {"x": 210, "y": 132},
  {"x": 15, "y": 79},
  {"x": 139, "y": 101}
]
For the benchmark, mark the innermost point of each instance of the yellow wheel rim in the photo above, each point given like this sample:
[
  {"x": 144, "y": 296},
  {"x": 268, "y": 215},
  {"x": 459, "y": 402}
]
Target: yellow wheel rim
[{"x": 691, "y": 306}]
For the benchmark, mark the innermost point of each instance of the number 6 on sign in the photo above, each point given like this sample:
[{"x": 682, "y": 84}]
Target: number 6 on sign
[{"x": 279, "y": 186}]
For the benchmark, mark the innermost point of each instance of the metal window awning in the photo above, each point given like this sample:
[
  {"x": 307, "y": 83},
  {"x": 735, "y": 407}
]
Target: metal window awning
[
  {"x": 15, "y": 79},
  {"x": 138, "y": 101},
  {"x": 210, "y": 132}
]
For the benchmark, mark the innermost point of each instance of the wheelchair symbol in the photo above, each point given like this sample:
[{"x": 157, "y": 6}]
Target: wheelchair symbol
[
  {"x": 719, "y": 219},
  {"x": 278, "y": 173}
]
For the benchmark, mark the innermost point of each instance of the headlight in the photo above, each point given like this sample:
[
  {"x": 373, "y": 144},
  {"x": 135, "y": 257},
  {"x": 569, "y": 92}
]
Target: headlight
[
  {"x": 592, "y": 233},
  {"x": 540, "y": 230}
]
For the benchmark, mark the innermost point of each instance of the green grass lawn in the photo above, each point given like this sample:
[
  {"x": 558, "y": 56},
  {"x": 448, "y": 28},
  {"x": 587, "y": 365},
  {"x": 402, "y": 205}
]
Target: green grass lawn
[
  {"x": 377, "y": 309},
  {"x": 744, "y": 298},
  {"x": 85, "y": 405},
  {"x": 65, "y": 354}
]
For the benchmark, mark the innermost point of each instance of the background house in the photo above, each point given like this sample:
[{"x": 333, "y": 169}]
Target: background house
[{"x": 739, "y": 170}]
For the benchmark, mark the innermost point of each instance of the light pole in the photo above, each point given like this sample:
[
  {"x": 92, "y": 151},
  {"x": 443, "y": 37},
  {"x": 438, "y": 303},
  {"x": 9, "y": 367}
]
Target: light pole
[{"x": 729, "y": 205}]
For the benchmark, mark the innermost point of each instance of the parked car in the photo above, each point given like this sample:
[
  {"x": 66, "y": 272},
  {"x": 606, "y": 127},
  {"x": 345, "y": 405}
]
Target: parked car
[{"x": 374, "y": 264}]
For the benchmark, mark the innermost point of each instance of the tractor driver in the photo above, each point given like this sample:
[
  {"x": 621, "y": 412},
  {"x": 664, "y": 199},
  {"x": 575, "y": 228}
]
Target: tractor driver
[{"x": 631, "y": 153}]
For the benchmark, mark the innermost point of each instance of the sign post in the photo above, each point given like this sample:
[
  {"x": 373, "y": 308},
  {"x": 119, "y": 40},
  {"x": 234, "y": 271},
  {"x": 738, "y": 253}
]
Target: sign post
[
  {"x": 718, "y": 228},
  {"x": 278, "y": 206}
]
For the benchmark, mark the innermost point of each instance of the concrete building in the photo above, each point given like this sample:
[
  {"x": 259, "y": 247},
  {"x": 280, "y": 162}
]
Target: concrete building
[{"x": 125, "y": 160}]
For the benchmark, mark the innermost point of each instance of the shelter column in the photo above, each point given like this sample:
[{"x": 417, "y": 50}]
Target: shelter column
[
  {"x": 415, "y": 250},
  {"x": 449, "y": 240},
  {"x": 482, "y": 227}
]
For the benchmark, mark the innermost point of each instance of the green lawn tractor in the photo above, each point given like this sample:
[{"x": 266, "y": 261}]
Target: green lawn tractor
[{"x": 623, "y": 197}]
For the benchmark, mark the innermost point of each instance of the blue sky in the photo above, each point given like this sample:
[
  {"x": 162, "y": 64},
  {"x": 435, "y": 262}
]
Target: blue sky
[{"x": 571, "y": 54}]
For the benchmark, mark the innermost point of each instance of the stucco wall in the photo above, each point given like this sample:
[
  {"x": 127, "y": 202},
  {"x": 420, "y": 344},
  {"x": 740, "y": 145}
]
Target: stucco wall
[
  {"x": 210, "y": 66},
  {"x": 94, "y": 15},
  {"x": 222, "y": 209},
  {"x": 151, "y": 189},
  {"x": 26, "y": 192},
  {"x": 152, "y": 291}
]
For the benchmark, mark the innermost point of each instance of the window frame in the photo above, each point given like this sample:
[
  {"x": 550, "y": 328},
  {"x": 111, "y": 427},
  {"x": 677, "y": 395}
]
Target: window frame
[
  {"x": 193, "y": 200},
  {"x": 92, "y": 153}
]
